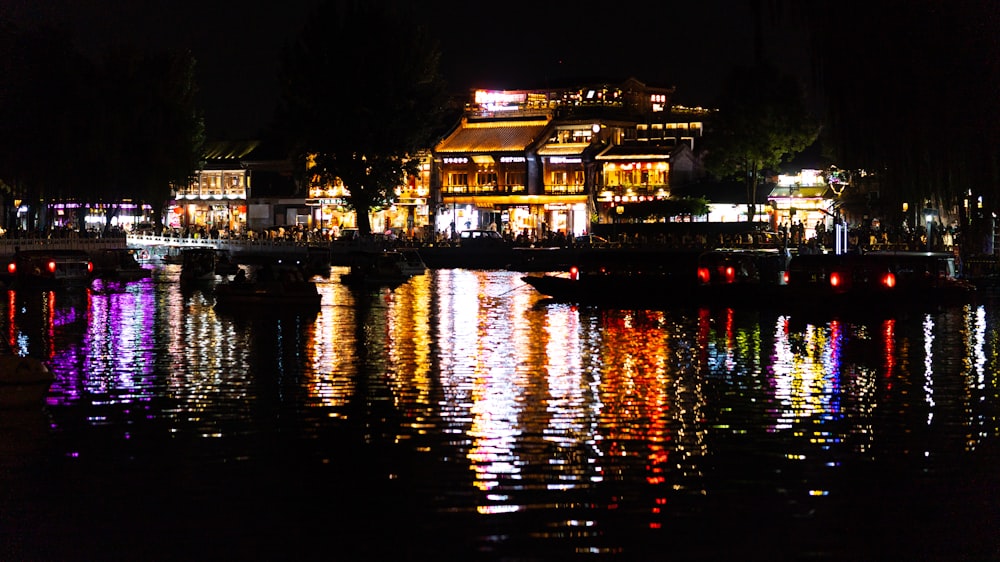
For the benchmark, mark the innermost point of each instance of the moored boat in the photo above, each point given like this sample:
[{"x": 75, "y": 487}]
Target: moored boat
[
  {"x": 50, "y": 269},
  {"x": 272, "y": 287},
  {"x": 119, "y": 264},
  {"x": 198, "y": 266},
  {"x": 877, "y": 281},
  {"x": 383, "y": 268},
  {"x": 621, "y": 280}
]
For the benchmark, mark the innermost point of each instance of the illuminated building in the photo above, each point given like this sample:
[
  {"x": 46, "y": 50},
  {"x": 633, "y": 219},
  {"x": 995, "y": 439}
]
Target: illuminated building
[
  {"x": 804, "y": 198},
  {"x": 558, "y": 159},
  {"x": 216, "y": 195}
]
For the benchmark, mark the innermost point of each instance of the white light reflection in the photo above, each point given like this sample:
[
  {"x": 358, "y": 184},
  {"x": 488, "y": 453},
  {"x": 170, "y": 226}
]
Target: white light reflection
[
  {"x": 928, "y": 325},
  {"x": 978, "y": 347},
  {"x": 806, "y": 382},
  {"x": 483, "y": 336}
]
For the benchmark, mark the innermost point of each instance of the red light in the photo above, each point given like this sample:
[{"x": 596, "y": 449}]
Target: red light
[
  {"x": 52, "y": 267},
  {"x": 12, "y": 268},
  {"x": 574, "y": 273},
  {"x": 730, "y": 274},
  {"x": 889, "y": 280},
  {"x": 703, "y": 275},
  {"x": 784, "y": 277},
  {"x": 835, "y": 279}
]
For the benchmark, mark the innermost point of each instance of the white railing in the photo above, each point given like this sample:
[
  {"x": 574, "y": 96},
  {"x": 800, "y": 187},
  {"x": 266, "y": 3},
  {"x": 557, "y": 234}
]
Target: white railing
[
  {"x": 10, "y": 246},
  {"x": 224, "y": 244}
]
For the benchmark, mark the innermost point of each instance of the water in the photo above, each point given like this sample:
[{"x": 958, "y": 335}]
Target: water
[{"x": 461, "y": 416}]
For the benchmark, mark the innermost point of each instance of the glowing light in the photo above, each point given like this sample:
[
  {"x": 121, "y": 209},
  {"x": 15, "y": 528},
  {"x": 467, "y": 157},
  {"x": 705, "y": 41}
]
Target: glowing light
[{"x": 703, "y": 275}]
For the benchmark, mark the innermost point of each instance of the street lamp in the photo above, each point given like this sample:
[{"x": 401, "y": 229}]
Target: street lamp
[{"x": 929, "y": 216}]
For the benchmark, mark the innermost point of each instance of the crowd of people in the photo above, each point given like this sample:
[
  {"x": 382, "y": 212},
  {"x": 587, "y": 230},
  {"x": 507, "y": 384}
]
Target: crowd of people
[{"x": 865, "y": 236}]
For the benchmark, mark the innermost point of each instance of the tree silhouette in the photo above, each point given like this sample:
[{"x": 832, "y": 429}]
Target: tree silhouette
[
  {"x": 361, "y": 94},
  {"x": 762, "y": 122},
  {"x": 40, "y": 115},
  {"x": 72, "y": 129},
  {"x": 911, "y": 90},
  {"x": 147, "y": 132}
]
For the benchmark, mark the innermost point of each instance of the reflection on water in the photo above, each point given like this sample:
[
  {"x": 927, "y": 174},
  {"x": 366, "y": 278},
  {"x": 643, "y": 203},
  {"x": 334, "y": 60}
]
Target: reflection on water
[{"x": 547, "y": 428}]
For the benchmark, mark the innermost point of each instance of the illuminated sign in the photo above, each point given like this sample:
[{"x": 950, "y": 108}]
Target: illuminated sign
[
  {"x": 456, "y": 160},
  {"x": 484, "y": 97},
  {"x": 511, "y": 159},
  {"x": 564, "y": 160}
]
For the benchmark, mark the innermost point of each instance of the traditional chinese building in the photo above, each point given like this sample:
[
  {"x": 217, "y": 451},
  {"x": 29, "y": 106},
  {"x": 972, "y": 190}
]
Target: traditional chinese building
[
  {"x": 215, "y": 197},
  {"x": 558, "y": 160}
]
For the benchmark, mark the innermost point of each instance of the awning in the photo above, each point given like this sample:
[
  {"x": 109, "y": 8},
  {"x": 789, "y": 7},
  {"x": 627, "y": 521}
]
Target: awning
[
  {"x": 813, "y": 191},
  {"x": 628, "y": 153},
  {"x": 491, "y": 202},
  {"x": 563, "y": 149}
]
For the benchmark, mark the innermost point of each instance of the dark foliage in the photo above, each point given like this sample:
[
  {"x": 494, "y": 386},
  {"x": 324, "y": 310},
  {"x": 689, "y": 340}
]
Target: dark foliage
[{"x": 361, "y": 95}]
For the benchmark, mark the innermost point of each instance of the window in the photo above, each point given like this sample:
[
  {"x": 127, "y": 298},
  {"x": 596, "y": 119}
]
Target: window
[
  {"x": 458, "y": 179},
  {"x": 486, "y": 178},
  {"x": 514, "y": 181}
]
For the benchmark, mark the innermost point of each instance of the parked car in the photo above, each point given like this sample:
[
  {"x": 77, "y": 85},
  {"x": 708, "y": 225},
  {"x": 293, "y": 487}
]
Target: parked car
[{"x": 480, "y": 236}]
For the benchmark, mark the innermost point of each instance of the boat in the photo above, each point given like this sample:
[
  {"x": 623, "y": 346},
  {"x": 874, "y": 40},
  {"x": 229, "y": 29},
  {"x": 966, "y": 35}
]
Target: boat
[
  {"x": 410, "y": 262},
  {"x": 50, "y": 269},
  {"x": 383, "y": 268},
  {"x": 622, "y": 279},
  {"x": 869, "y": 283},
  {"x": 723, "y": 277},
  {"x": 119, "y": 264},
  {"x": 273, "y": 288},
  {"x": 225, "y": 264},
  {"x": 198, "y": 265},
  {"x": 24, "y": 382},
  {"x": 877, "y": 281}
]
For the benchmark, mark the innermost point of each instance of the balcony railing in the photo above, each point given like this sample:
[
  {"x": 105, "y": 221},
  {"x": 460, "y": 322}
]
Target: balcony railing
[
  {"x": 565, "y": 189},
  {"x": 483, "y": 189}
]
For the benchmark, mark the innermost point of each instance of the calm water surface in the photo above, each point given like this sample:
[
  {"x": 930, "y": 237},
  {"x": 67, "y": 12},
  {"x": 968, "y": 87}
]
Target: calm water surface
[{"x": 461, "y": 416}]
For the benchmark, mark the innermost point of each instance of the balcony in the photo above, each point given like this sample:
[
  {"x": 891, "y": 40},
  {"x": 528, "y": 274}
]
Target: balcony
[
  {"x": 483, "y": 189},
  {"x": 565, "y": 189}
]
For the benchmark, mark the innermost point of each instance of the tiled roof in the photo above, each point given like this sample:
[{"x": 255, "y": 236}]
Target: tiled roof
[
  {"x": 493, "y": 136},
  {"x": 228, "y": 150}
]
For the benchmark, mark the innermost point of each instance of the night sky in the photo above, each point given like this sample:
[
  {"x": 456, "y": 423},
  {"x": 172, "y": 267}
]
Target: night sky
[{"x": 689, "y": 45}]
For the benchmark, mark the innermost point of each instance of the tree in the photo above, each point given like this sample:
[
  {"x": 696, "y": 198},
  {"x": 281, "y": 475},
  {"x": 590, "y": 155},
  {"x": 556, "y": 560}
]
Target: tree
[
  {"x": 146, "y": 132},
  {"x": 41, "y": 114},
  {"x": 762, "y": 122},
  {"x": 361, "y": 93},
  {"x": 911, "y": 90},
  {"x": 73, "y": 129},
  {"x": 666, "y": 208}
]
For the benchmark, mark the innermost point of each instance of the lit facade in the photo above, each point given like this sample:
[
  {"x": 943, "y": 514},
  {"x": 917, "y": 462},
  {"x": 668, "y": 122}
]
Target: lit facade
[
  {"x": 804, "y": 198},
  {"x": 329, "y": 211},
  {"x": 558, "y": 160},
  {"x": 215, "y": 197}
]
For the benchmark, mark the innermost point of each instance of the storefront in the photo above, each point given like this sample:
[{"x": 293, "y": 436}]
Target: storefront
[{"x": 804, "y": 199}]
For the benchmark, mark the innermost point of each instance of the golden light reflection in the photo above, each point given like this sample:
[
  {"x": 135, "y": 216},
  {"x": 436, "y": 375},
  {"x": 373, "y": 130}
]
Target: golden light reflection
[{"x": 329, "y": 372}]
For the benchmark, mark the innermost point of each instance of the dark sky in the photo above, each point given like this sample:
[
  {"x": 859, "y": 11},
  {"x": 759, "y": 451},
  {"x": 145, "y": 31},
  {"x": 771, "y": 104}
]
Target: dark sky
[{"x": 690, "y": 45}]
